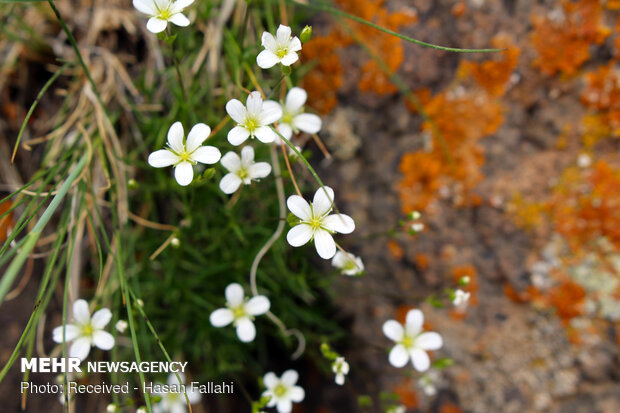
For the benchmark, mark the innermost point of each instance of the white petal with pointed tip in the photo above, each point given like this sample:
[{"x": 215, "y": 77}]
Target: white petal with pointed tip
[
  {"x": 101, "y": 318},
  {"x": 295, "y": 45},
  {"x": 184, "y": 173},
  {"x": 257, "y": 305},
  {"x": 221, "y": 317},
  {"x": 246, "y": 330},
  {"x": 207, "y": 155},
  {"x": 81, "y": 314},
  {"x": 283, "y": 34},
  {"x": 238, "y": 135},
  {"x": 162, "y": 158},
  {"x": 103, "y": 340},
  {"x": 299, "y": 235},
  {"x": 324, "y": 244},
  {"x": 299, "y": 207},
  {"x": 268, "y": 41},
  {"x": 398, "y": 356},
  {"x": 230, "y": 183},
  {"x": 155, "y": 25}
]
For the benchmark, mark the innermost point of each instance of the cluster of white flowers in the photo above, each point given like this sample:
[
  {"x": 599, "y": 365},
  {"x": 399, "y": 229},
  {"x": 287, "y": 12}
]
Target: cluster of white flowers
[
  {"x": 340, "y": 367},
  {"x": 175, "y": 402},
  {"x": 460, "y": 299}
]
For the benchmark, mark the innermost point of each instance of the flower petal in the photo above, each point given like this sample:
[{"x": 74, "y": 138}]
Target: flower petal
[
  {"x": 270, "y": 380},
  {"x": 259, "y": 170},
  {"x": 254, "y": 104},
  {"x": 322, "y": 201},
  {"x": 324, "y": 244},
  {"x": 340, "y": 223},
  {"x": 206, "y": 155},
  {"x": 257, "y": 305},
  {"x": 175, "y": 137},
  {"x": 184, "y": 173},
  {"x": 393, "y": 330},
  {"x": 103, "y": 340},
  {"x": 419, "y": 358},
  {"x": 179, "y": 19},
  {"x": 155, "y": 25},
  {"x": 307, "y": 122},
  {"x": 179, "y": 5},
  {"x": 238, "y": 135},
  {"x": 265, "y": 134},
  {"x": 289, "y": 378},
  {"x": 295, "y": 45},
  {"x": 283, "y": 34},
  {"x": 80, "y": 348},
  {"x": 299, "y": 235},
  {"x": 247, "y": 155},
  {"x": 289, "y": 59},
  {"x": 162, "y": 158},
  {"x": 199, "y": 133},
  {"x": 398, "y": 356},
  {"x": 267, "y": 59},
  {"x": 299, "y": 207},
  {"x": 414, "y": 321},
  {"x": 285, "y": 130},
  {"x": 71, "y": 333},
  {"x": 230, "y": 183},
  {"x": 236, "y": 110},
  {"x": 101, "y": 318},
  {"x": 81, "y": 314},
  {"x": 295, "y": 99},
  {"x": 272, "y": 112},
  {"x": 284, "y": 406},
  {"x": 429, "y": 341},
  {"x": 231, "y": 161},
  {"x": 221, "y": 317},
  {"x": 234, "y": 295},
  {"x": 145, "y": 6},
  {"x": 268, "y": 41},
  {"x": 246, "y": 330}
]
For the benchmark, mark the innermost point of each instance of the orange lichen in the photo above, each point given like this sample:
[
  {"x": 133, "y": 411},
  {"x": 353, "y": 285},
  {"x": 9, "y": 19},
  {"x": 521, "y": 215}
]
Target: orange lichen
[
  {"x": 457, "y": 119},
  {"x": 422, "y": 261},
  {"x": 408, "y": 397},
  {"x": 602, "y": 97},
  {"x": 401, "y": 313},
  {"x": 396, "y": 251},
  {"x": 323, "y": 82},
  {"x": 567, "y": 298},
  {"x": 563, "y": 38},
  {"x": 450, "y": 408}
]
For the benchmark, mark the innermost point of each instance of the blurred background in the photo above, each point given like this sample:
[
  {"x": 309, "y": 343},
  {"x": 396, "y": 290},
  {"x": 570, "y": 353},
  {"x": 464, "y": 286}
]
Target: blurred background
[{"x": 511, "y": 158}]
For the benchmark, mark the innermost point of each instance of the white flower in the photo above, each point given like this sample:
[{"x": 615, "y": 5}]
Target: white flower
[
  {"x": 182, "y": 155},
  {"x": 427, "y": 382},
  {"x": 253, "y": 119},
  {"x": 460, "y": 299},
  {"x": 242, "y": 170},
  {"x": 85, "y": 331},
  {"x": 411, "y": 343},
  {"x": 348, "y": 263},
  {"x": 174, "y": 401},
  {"x": 121, "y": 326},
  {"x": 316, "y": 223},
  {"x": 240, "y": 312},
  {"x": 340, "y": 367},
  {"x": 163, "y": 11},
  {"x": 141, "y": 409},
  {"x": 280, "y": 49},
  {"x": 111, "y": 408},
  {"x": 283, "y": 391},
  {"x": 293, "y": 117}
]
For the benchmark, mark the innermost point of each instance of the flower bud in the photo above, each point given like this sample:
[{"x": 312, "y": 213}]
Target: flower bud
[{"x": 306, "y": 34}]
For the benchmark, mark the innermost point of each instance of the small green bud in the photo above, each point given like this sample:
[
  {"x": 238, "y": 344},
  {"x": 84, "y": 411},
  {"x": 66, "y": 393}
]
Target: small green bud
[
  {"x": 292, "y": 220},
  {"x": 286, "y": 70},
  {"x": 132, "y": 184},
  {"x": 209, "y": 173},
  {"x": 306, "y": 34},
  {"x": 415, "y": 215},
  {"x": 175, "y": 242},
  {"x": 464, "y": 280}
]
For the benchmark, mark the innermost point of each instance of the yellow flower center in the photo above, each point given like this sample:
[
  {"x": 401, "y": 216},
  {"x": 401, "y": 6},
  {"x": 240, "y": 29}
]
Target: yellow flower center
[
  {"x": 287, "y": 118},
  {"x": 407, "y": 341},
  {"x": 164, "y": 14},
  {"x": 251, "y": 124},
  {"x": 185, "y": 156},
  {"x": 238, "y": 312},
  {"x": 87, "y": 330},
  {"x": 281, "y": 52},
  {"x": 242, "y": 173},
  {"x": 315, "y": 223},
  {"x": 279, "y": 390}
]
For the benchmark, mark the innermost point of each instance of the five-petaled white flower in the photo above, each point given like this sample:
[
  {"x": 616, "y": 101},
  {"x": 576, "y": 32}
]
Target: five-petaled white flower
[
  {"x": 182, "y": 155},
  {"x": 348, "y": 263},
  {"x": 242, "y": 170},
  {"x": 240, "y": 312},
  {"x": 293, "y": 117},
  {"x": 460, "y": 299},
  {"x": 85, "y": 331},
  {"x": 280, "y": 49},
  {"x": 340, "y": 367},
  {"x": 283, "y": 391},
  {"x": 253, "y": 119},
  {"x": 411, "y": 343},
  {"x": 163, "y": 11},
  {"x": 316, "y": 223},
  {"x": 174, "y": 400}
]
